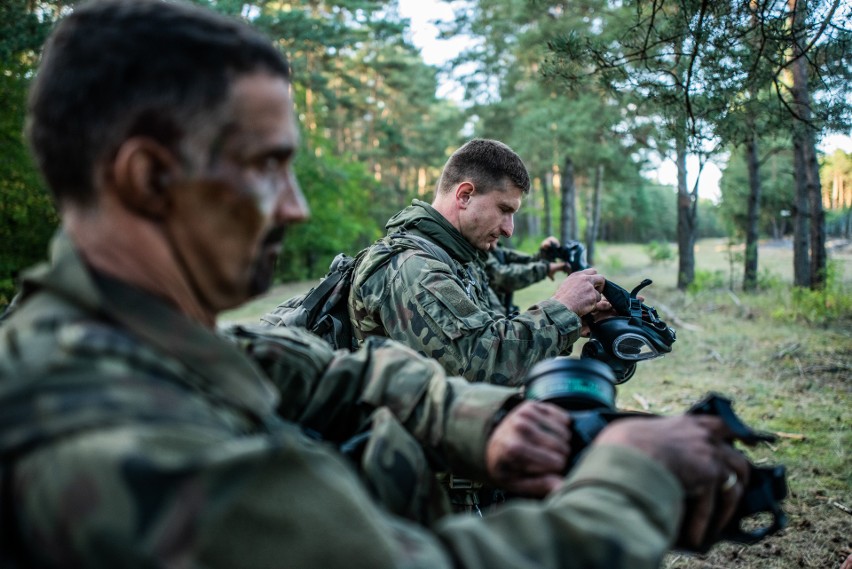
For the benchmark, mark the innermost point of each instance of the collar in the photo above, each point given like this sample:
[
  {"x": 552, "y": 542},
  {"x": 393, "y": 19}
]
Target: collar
[
  {"x": 220, "y": 364},
  {"x": 423, "y": 218}
]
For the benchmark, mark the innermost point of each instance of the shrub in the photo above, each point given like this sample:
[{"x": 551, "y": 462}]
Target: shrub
[
  {"x": 707, "y": 280},
  {"x": 819, "y": 306},
  {"x": 659, "y": 252}
]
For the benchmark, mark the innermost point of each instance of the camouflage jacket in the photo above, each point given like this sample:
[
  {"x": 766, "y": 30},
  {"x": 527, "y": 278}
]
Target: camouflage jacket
[
  {"x": 449, "y": 313},
  {"x": 132, "y": 437},
  {"x": 509, "y": 270}
]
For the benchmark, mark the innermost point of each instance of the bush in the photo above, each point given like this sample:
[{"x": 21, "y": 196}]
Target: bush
[
  {"x": 707, "y": 280},
  {"x": 659, "y": 252},
  {"x": 818, "y": 306}
]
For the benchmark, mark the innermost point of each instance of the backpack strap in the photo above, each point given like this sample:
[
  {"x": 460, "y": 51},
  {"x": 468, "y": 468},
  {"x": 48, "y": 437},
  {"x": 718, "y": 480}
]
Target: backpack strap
[
  {"x": 441, "y": 254},
  {"x": 425, "y": 245}
]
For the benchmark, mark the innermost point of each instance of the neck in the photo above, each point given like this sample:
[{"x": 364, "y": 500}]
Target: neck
[
  {"x": 134, "y": 250},
  {"x": 445, "y": 206}
]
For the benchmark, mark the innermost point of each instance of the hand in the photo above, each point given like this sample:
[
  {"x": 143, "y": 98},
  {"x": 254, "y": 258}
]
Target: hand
[
  {"x": 581, "y": 293},
  {"x": 697, "y": 450},
  {"x": 528, "y": 451},
  {"x": 554, "y": 268},
  {"x": 548, "y": 242},
  {"x": 848, "y": 563}
]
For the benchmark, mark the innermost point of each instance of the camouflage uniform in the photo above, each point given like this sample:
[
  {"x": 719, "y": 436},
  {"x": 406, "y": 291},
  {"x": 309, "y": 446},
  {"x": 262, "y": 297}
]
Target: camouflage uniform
[
  {"x": 509, "y": 270},
  {"x": 448, "y": 312},
  {"x": 130, "y": 436}
]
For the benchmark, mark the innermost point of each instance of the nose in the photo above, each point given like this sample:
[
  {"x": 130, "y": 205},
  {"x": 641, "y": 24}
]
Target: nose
[
  {"x": 292, "y": 206},
  {"x": 508, "y": 226}
]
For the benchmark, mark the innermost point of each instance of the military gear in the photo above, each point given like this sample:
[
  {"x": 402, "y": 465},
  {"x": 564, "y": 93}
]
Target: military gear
[
  {"x": 324, "y": 309},
  {"x": 137, "y": 438},
  {"x": 446, "y": 312}
]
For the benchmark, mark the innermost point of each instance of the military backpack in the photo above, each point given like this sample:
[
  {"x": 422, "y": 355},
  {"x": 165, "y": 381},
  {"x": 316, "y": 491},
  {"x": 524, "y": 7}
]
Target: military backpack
[{"x": 324, "y": 310}]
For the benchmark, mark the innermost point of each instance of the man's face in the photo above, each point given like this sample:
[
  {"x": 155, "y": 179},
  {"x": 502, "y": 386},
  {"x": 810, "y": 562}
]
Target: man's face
[
  {"x": 484, "y": 218},
  {"x": 230, "y": 217}
]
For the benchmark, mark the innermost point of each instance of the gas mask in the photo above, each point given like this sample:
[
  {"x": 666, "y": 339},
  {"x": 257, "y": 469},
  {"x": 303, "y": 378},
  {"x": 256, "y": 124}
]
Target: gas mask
[{"x": 635, "y": 335}]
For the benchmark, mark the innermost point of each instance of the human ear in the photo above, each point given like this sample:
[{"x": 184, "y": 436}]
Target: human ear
[
  {"x": 463, "y": 193},
  {"x": 142, "y": 172}
]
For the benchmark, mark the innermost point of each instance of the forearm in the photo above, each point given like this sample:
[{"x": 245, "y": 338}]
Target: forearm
[
  {"x": 618, "y": 509},
  {"x": 467, "y": 341},
  {"x": 516, "y": 276},
  {"x": 334, "y": 393}
]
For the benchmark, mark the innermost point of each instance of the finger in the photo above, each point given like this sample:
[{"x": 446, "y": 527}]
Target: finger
[
  {"x": 525, "y": 462},
  {"x": 552, "y": 412},
  {"x": 589, "y": 271},
  {"x": 541, "y": 437},
  {"x": 733, "y": 486},
  {"x": 702, "y": 507},
  {"x": 717, "y": 428}
]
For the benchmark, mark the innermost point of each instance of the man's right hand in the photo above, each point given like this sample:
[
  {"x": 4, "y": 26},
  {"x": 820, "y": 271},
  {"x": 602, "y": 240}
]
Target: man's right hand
[
  {"x": 581, "y": 293},
  {"x": 698, "y": 450}
]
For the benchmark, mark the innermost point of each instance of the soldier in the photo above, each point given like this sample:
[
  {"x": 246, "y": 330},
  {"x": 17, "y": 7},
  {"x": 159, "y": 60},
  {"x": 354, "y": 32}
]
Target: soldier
[
  {"x": 133, "y": 435},
  {"x": 509, "y": 270},
  {"x": 446, "y": 311}
]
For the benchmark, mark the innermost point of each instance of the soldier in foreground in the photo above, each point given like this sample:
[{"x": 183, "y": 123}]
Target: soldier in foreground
[{"x": 133, "y": 435}]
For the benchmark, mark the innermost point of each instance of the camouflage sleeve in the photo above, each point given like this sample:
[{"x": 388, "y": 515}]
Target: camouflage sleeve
[
  {"x": 617, "y": 507},
  {"x": 422, "y": 304},
  {"x": 170, "y": 496},
  {"x": 514, "y": 275},
  {"x": 334, "y": 393}
]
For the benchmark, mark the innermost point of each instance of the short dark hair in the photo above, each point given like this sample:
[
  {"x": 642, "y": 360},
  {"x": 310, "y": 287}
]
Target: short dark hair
[
  {"x": 488, "y": 164},
  {"x": 114, "y": 69}
]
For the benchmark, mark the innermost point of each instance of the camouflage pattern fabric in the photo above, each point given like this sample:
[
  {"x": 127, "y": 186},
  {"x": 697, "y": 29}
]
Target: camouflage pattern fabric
[
  {"x": 133, "y": 437},
  {"x": 448, "y": 312},
  {"x": 509, "y": 270}
]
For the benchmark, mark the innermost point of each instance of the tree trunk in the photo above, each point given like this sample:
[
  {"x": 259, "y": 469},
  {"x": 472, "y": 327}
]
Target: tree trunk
[
  {"x": 685, "y": 218},
  {"x": 753, "y": 215},
  {"x": 809, "y": 264},
  {"x": 818, "y": 251},
  {"x": 594, "y": 217},
  {"x": 568, "y": 213},
  {"x": 801, "y": 215},
  {"x": 547, "y": 183}
]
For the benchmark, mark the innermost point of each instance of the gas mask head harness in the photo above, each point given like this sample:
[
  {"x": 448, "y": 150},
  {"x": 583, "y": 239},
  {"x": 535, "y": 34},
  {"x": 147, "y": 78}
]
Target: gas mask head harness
[{"x": 635, "y": 335}]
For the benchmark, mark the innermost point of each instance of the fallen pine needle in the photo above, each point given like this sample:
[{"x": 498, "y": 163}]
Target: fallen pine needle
[
  {"x": 642, "y": 401},
  {"x": 794, "y": 436}
]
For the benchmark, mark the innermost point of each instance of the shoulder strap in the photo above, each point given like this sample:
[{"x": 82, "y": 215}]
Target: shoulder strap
[{"x": 425, "y": 245}]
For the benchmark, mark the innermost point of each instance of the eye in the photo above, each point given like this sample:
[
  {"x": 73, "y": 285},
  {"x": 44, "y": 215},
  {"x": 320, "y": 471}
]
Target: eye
[{"x": 272, "y": 164}]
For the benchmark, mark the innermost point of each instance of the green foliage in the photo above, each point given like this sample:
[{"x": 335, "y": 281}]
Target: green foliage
[
  {"x": 768, "y": 280},
  {"x": 339, "y": 192},
  {"x": 27, "y": 216},
  {"x": 706, "y": 281},
  {"x": 777, "y": 190},
  {"x": 659, "y": 252},
  {"x": 613, "y": 263},
  {"x": 639, "y": 211},
  {"x": 818, "y": 306}
]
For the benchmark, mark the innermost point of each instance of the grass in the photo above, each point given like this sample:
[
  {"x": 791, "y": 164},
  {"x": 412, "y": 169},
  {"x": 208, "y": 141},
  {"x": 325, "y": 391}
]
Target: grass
[{"x": 786, "y": 374}]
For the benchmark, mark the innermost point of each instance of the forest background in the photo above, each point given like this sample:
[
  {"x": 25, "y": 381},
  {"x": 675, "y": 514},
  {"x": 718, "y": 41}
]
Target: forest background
[{"x": 593, "y": 94}]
